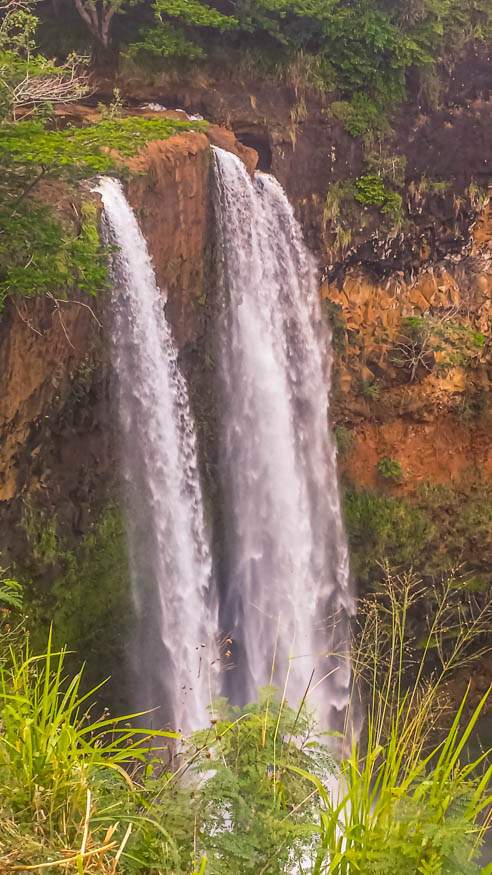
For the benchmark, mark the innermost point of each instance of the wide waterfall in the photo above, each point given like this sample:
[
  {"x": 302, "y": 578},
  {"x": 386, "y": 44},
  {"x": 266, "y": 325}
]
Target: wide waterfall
[
  {"x": 287, "y": 597},
  {"x": 174, "y": 646}
]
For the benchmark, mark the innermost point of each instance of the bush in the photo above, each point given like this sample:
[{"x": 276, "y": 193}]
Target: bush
[
  {"x": 370, "y": 190},
  {"x": 39, "y": 254},
  {"x": 390, "y": 469},
  {"x": 360, "y": 115}
]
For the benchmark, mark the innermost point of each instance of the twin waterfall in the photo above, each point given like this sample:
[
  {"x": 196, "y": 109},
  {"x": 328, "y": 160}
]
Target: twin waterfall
[{"x": 284, "y": 597}]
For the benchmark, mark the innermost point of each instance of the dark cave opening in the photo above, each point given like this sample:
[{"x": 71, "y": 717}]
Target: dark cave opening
[{"x": 259, "y": 140}]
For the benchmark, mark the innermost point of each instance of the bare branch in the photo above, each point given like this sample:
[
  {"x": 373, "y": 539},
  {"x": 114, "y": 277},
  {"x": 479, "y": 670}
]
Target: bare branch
[
  {"x": 27, "y": 321},
  {"x": 57, "y": 307},
  {"x": 80, "y": 304}
]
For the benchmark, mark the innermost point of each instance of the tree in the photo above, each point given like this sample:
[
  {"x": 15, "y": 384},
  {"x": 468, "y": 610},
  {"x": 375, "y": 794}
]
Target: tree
[
  {"x": 98, "y": 15},
  {"x": 27, "y": 78}
]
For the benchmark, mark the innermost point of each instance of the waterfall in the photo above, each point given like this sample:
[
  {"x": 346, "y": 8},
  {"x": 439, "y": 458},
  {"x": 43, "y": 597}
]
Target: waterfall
[
  {"x": 169, "y": 555},
  {"x": 287, "y": 597}
]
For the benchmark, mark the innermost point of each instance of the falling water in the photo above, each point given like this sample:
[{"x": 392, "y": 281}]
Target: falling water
[
  {"x": 169, "y": 554},
  {"x": 287, "y": 596}
]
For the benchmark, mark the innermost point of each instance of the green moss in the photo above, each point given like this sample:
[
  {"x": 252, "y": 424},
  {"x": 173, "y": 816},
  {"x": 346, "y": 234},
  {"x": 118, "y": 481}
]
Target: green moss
[
  {"x": 88, "y": 598},
  {"x": 41, "y": 531},
  {"x": 438, "y": 530},
  {"x": 380, "y": 528}
]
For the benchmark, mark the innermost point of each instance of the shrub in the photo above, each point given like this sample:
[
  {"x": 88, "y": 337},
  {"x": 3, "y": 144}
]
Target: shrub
[
  {"x": 360, "y": 115},
  {"x": 390, "y": 469},
  {"x": 344, "y": 438},
  {"x": 370, "y": 190},
  {"x": 39, "y": 254},
  {"x": 370, "y": 389}
]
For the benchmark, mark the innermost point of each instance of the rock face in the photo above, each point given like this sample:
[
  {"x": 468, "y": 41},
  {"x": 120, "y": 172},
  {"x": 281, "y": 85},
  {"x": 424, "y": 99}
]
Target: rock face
[
  {"x": 414, "y": 375},
  {"x": 46, "y": 351},
  {"x": 170, "y": 196}
]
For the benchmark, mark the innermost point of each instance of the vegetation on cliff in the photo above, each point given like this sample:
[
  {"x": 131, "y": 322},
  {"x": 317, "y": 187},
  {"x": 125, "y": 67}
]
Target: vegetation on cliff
[
  {"x": 46, "y": 246},
  {"x": 363, "y": 51}
]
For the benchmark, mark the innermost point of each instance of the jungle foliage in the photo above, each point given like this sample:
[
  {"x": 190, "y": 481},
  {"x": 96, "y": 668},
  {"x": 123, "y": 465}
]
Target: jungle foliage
[{"x": 363, "y": 49}]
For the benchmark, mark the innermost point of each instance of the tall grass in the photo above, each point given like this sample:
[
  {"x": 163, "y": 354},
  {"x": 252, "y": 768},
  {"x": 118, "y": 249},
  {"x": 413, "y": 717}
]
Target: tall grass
[
  {"x": 255, "y": 792},
  {"x": 409, "y": 798},
  {"x": 56, "y": 762}
]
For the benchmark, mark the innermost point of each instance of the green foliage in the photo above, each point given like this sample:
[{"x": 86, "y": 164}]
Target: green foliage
[
  {"x": 40, "y": 252},
  {"x": 193, "y": 12},
  {"x": 41, "y": 534},
  {"x": 440, "y": 529},
  {"x": 359, "y": 115},
  {"x": 441, "y": 340},
  {"x": 28, "y": 147},
  {"x": 158, "y": 44},
  {"x": 370, "y": 390},
  {"x": 28, "y": 78},
  {"x": 344, "y": 439},
  {"x": 390, "y": 469},
  {"x": 89, "y": 600},
  {"x": 10, "y": 595},
  {"x": 337, "y": 323},
  {"x": 409, "y": 799},
  {"x": 464, "y": 535},
  {"x": 168, "y": 39},
  {"x": 41, "y": 255},
  {"x": 370, "y": 190},
  {"x": 380, "y": 160},
  {"x": 57, "y": 741},
  {"x": 364, "y": 49},
  {"x": 380, "y": 528},
  {"x": 254, "y": 808},
  {"x": 55, "y": 757},
  {"x": 11, "y": 621},
  {"x": 262, "y": 796}
]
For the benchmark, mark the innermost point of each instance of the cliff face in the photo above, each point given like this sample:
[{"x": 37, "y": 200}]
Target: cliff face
[
  {"x": 410, "y": 308},
  {"x": 414, "y": 377}
]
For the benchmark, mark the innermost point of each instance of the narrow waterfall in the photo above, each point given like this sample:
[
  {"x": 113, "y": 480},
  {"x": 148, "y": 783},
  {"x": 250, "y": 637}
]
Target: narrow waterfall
[
  {"x": 287, "y": 596},
  {"x": 169, "y": 553}
]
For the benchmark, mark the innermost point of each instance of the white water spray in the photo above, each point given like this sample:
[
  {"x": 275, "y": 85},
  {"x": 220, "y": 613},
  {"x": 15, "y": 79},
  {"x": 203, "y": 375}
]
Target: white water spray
[
  {"x": 287, "y": 595},
  {"x": 171, "y": 568}
]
